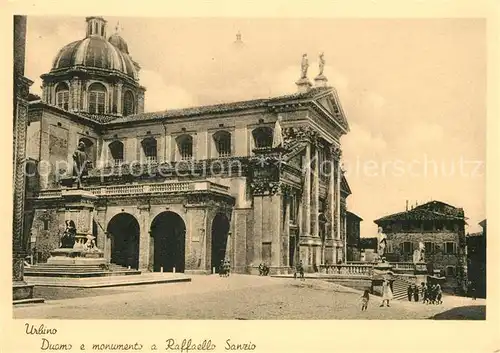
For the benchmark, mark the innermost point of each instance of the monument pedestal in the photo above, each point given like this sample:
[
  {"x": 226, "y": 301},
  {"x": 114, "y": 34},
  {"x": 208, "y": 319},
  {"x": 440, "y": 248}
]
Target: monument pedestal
[
  {"x": 381, "y": 271},
  {"x": 79, "y": 207}
]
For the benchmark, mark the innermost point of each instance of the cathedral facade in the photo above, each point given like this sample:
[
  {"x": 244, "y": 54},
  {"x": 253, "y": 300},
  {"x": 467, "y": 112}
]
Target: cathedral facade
[{"x": 256, "y": 181}]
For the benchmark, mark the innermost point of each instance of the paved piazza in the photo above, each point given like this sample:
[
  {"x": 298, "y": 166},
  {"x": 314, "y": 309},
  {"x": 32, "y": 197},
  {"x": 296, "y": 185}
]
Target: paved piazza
[{"x": 237, "y": 297}]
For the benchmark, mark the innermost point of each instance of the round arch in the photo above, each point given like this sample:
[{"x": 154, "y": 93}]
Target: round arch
[
  {"x": 124, "y": 231},
  {"x": 168, "y": 232},
  {"x": 220, "y": 233}
]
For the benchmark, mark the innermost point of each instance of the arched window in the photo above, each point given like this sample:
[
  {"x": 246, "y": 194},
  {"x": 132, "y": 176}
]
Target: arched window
[
  {"x": 128, "y": 103},
  {"x": 62, "y": 96},
  {"x": 116, "y": 149},
  {"x": 222, "y": 141},
  {"x": 97, "y": 98},
  {"x": 185, "y": 147},
  {"x": 263, "y": 137},
  {"x": 149, "y": 147},
  {"x": 89, "y": 150}
]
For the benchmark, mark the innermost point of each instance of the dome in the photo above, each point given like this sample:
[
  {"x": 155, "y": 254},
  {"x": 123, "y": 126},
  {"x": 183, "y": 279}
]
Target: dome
[
  {"x": 119, "y": 42},
  {"x": 95, "y": 52}
]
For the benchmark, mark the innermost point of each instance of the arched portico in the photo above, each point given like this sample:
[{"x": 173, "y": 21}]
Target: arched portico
[
  {"x": 220, "y": 233},
  {"x": 168, "y": 237},
  {"x": 123, "y": 230}
]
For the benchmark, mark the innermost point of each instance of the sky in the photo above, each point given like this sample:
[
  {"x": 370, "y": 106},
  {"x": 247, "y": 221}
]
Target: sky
[{"x": 413, "y": 91}]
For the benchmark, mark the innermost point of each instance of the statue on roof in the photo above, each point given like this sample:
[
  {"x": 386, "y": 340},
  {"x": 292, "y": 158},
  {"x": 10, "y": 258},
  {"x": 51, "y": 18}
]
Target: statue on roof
[
  {"x": 278, "y": 133},
  {"x": 304, "y": 66},
  {"x": 321, "y": 63}
]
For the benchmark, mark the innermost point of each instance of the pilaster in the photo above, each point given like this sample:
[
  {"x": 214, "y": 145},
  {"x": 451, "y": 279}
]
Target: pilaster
[
  {"x": 144, "y": 238},
  {"x": 119, "y": 107}
]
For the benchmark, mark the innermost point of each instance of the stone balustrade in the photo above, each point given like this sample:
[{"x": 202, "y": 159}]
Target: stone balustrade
[
  {"x": 139, "y": 189},
  {"x": 347, "y": 269}
]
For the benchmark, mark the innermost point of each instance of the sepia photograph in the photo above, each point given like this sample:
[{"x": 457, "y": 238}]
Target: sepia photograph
[{"x": 245, "y": 168}]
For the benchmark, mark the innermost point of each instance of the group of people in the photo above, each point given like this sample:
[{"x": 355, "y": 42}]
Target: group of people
[
  {"x": 263, "y": 269},
  {"x": 431, "y": 293},
  {"x": 224, "y": 268}
]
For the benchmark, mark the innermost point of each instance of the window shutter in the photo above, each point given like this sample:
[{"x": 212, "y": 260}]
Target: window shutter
[
  {"x": 454, "y": 248},
  {"x": 402, "y": 247}
]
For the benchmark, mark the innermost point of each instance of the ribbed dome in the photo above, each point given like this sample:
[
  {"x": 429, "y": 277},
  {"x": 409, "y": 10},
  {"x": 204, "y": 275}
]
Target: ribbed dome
[
  {"x": 95, "y": 52},
  {"x": 119, "y": 42}
]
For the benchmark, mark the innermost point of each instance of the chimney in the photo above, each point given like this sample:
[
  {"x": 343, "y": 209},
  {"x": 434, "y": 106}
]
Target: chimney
[{"x": 407, "y": 205}]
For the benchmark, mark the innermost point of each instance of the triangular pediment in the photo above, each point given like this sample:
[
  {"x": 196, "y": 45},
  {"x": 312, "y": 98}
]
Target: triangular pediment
[{"x": 331, "y": 104}]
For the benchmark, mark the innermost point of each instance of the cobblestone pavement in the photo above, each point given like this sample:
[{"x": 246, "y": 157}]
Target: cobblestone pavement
[{"x": 237, "y": 297}]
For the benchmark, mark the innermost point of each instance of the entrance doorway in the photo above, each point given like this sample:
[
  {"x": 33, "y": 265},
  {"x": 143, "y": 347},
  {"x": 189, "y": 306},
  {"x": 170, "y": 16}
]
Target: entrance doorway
[
  {"x": 220, "y": 232},
  {"x": 169, "y": 236},
  {"x": 124, "y": 231}
]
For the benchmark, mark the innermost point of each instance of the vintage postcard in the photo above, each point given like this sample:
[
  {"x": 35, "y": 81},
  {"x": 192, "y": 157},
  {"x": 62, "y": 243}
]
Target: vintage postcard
[{"x": 218, "y": 164}]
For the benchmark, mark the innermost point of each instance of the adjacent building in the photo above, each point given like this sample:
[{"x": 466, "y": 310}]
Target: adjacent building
[
  {"x": 476, "y": 260},
  {"x": 353, "y": 236},
  {"x": 439, "y": 226},
  {"x": 256, "y": 181}
]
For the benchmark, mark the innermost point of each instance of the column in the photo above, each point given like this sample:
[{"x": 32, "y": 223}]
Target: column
[
  {"x": 100, "y": 219},
  {"x": 276, "y": 220},
  {"x": 307, "y": 192},
  {"x": 286, "y": 233},
  {"x": 315, "y": 201},
  {"x": 339, "y": 176},
  {"x": 119, "y": 97},
  {"x": 333, "y": 199}
]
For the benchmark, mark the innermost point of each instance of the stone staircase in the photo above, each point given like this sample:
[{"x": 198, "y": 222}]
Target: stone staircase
[
  {"x": 78, "y": 271},
  {"x": 400, "y": 288}
]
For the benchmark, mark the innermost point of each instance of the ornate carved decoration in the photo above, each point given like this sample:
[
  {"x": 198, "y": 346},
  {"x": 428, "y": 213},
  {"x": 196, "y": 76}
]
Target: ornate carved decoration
[
  {"x": 336, "y": 153},
  {"x": 300, "y": 133}
]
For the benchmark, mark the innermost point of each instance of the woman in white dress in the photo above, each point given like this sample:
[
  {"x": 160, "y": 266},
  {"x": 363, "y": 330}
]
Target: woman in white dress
[{"x": 386, "y": 292}]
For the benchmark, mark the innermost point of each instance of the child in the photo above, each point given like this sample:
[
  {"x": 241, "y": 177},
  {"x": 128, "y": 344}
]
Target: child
[{"x": 365, "y": 298}]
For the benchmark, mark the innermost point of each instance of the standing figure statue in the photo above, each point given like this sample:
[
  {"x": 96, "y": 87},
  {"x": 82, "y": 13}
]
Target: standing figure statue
[
  {"x": 304, "y": 66},
  {"x": 80, "y": 163},
  {"x": 321, "y": 64},
  {"x": 278, "y": 133},
  {"x": 382, "y": 242}
]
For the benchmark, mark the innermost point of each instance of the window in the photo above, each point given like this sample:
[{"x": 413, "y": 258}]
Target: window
[
  {"x": 450, "y": 248},
  {"x": 149, "y": 147},
  {"x": 116, "y": 149},
  {"x": 450, "y": 271},
  {"x": 45, "y": 224},
  {"x": 62, "y": 96},
  {"x": 97, "y": 98},
  {"x": 185, "y": 147},
  {"x": 428, "y": 247},
  {"x": 222, "y": 141},
  {"x": 407, "y": 247},
  {"x": 128, "y": 103},
  {"x": 263, "y": 137}
]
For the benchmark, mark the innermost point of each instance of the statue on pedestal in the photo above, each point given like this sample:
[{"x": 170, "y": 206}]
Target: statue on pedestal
[
  {"x": 382, "y": 242},
  {"x": 304, "y": 66},
  {"x": 68, "y": 238},
  {"x": 321, "y": 64},
  {"x": 80, "y": 161}
]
